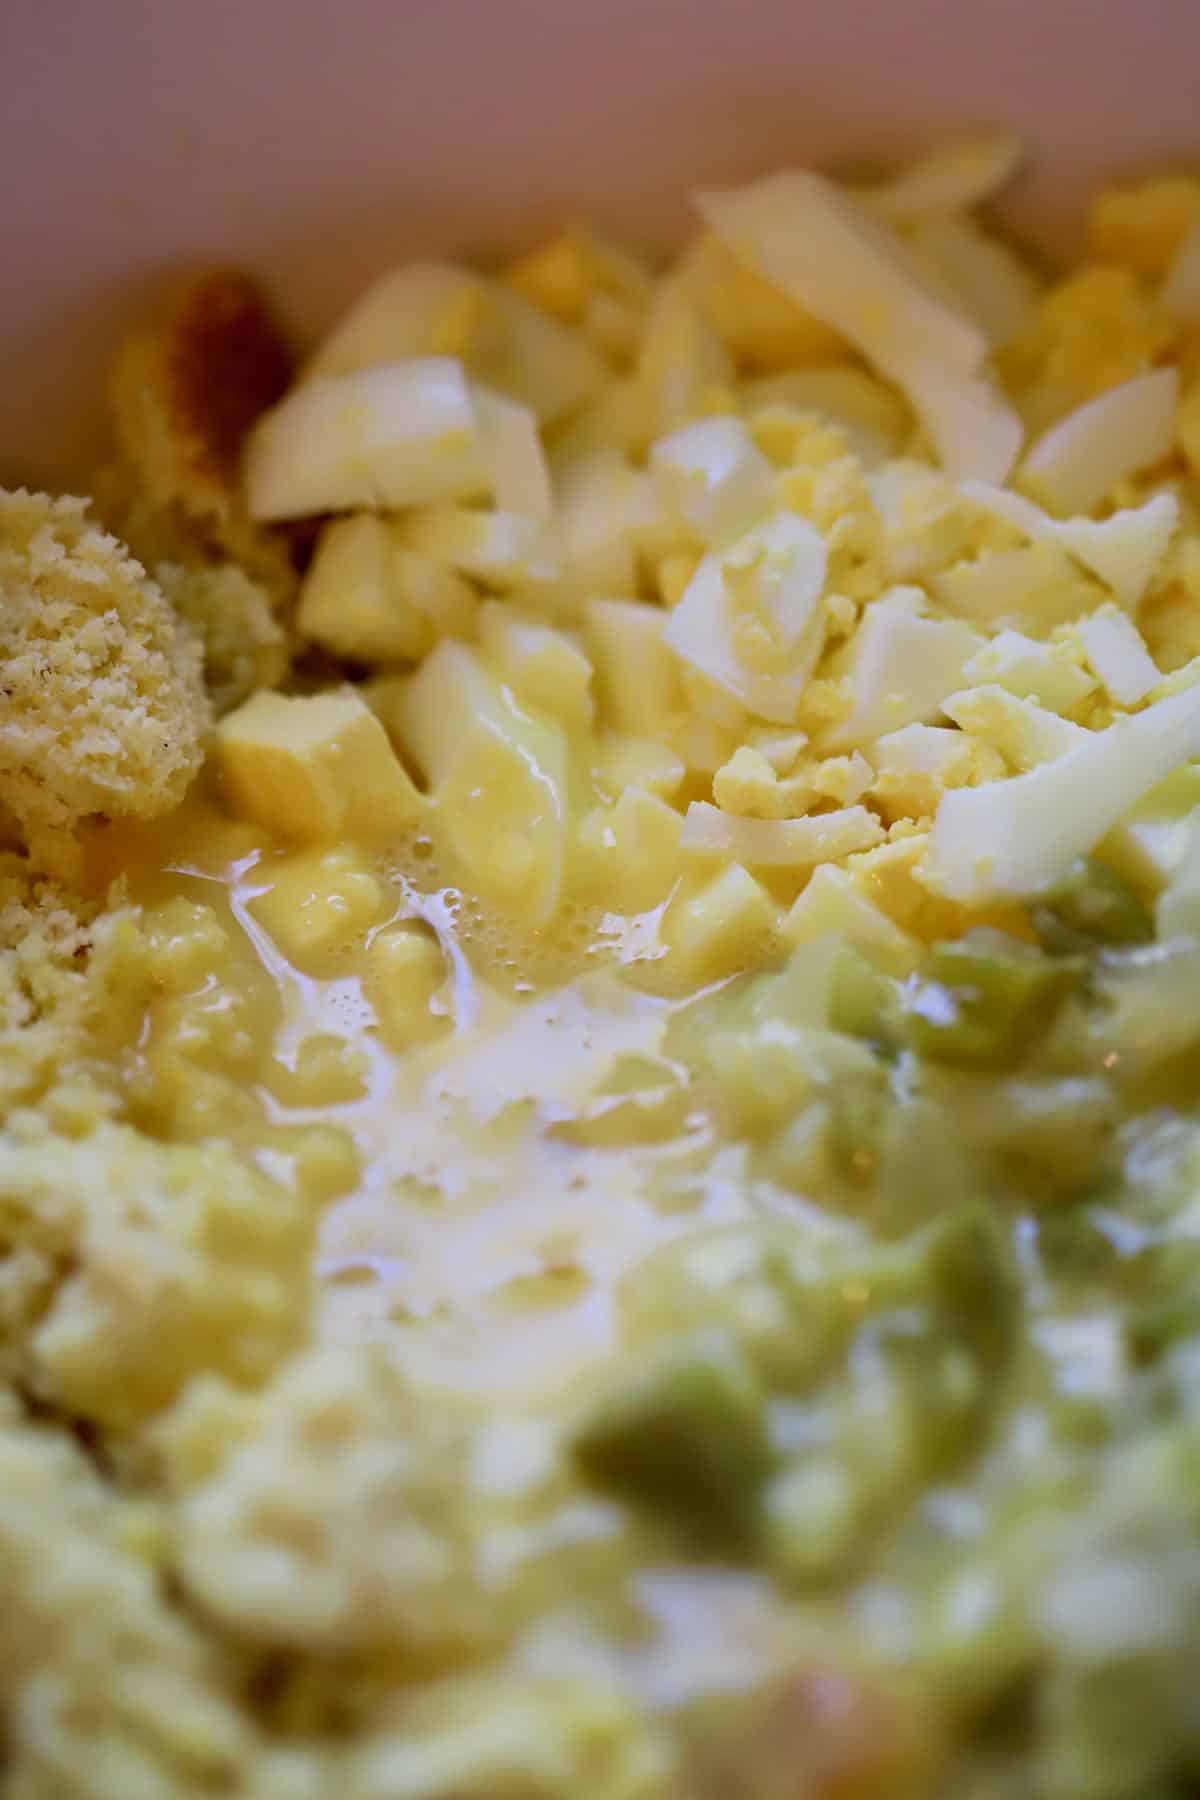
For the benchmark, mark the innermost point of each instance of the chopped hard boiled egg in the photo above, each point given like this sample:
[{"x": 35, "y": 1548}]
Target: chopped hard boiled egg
[
  {"x": 1024, "y": 733},
  {"x": 724, "y": 455},
  {"x": 845, "y": 267},
  {"x": 990, "y": 281},
  {"x": 369, "y": 598},
  {"x": 518, "y": 475},
  {"x": 1053, "y": 673},
  {"x": 948, "y": 179},
  {"x": 1017, "y": 837},
  {"x": 1123, "y": 430},
  {"x": 391, "y": 435},
  {"x": 751, "y": 618},
  {"x": 1117, "y": 652},
  {"x": 713, "y": 478},
  {"x": 427, "y": 309},
  {"x": 822, "y": 837},
  {"x": 900, "y": 667},
  {"x": 497, "y": 772},
  {"x": 1122, "y": 551}
]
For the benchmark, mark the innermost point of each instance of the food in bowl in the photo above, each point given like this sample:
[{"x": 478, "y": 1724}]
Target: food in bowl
[{"x": 601, "y": 1048}]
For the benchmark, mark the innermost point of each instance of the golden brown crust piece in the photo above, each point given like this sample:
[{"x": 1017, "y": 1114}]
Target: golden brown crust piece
[{"x": 184, "y": 396}]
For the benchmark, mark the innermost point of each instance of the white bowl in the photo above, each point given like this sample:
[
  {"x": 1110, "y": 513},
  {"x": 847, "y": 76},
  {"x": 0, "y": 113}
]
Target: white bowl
[{"x": 315, "y": 142}]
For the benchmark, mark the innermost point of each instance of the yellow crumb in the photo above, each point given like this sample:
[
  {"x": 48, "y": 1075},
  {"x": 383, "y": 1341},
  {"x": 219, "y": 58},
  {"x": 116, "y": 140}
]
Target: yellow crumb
[
  {"x": 342, "y": 1523},
  {"x": 1142, "y": 223},
  {"x": 177, "y": 1258},
  {"x": 245, "y": 646},
  {"x": 101, "y": 705},
  {"x": 184, "y": 397}
]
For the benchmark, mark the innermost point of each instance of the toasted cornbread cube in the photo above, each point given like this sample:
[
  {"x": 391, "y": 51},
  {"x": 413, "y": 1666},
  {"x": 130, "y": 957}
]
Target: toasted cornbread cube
[
  {"x": 405, "y": 968},
  {"x": 629, "y": 852},
  {"x": 314, "y": 767},
  {"x": 368, "y": 597},
  {"x": 318, "y": 901},
  {"x": 723, "y": 925}
]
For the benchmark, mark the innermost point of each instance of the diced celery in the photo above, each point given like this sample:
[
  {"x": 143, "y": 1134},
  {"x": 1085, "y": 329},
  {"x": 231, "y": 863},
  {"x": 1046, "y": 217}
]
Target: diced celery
[
  {"x": 975, "y": 1644},
  {"x": 1155, "y": 1326},
  {"x": 973, "y": 1283},
  {"x": 980, "y": 1003},
  {"x": 857, "y": 1119},
  {"x": 863, "y": 1002},
  {"x": 688, "y": 1436},
  {"x": 1110, "y": 1727},
  {"x": 1092, "y": 903},
  {"x": 938, "y": 1394},
  {"x": 1152, "y": 1002},
  {"x": 924, "y": 1165},
  {"x": 783, "y": 1302}
]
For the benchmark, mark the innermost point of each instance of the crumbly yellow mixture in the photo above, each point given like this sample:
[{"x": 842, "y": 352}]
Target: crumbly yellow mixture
[
  {"x": 264, "y": 1495},
  {"x": 102, "y": 708}
]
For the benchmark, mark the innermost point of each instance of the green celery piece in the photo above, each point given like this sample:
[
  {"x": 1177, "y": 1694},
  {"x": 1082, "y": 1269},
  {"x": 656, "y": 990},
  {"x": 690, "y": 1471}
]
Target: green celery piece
[
  {"x": 974, "y": 1284},
  {"x": 979, "y": 1004},
  {"x": 864, "y": 1003},
  {"x": 688, "y": 1436},
  {"x": 1092, "y": 904}
]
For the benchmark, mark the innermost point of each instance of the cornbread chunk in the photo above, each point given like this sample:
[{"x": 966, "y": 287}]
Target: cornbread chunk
[
  {"x": 177, "y": 1257},
  {"x": 314, "y": 765},
  {"x": 341, "y": 1521},
  {"x": 102, "y": 710},
  {"x": 184, "y": 396},
  {"x": 245, "y": 646},
  {"x": 108, "y": 1691}
]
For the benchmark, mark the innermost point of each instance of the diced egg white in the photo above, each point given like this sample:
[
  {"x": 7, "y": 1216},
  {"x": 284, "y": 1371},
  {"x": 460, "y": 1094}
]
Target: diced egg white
[
  {"x": 498, "y": 548},
  {"x": 817, "y": 838},
  {"x": 900, "y": 667},
  {"x": 1024, "y": 733},
  {"x": 512, "y": 448},
  {"x": 979, "y": 272},
  {"x": 1117, "y": 652},
  {"x": 1124, "y": 429},
  {"x": 712, "y": 476},
  {"x": 425, "y": 308},
  {"x": 394, "y": 435},
  {"x": 1123, "y": 551},
  {"x": 946, "y": 179},
  {"x": 402, "y": 315},
  {"x": 774, "y": 576},
  {"x": 1048, "y": 673},
  {"x": 849, "y": 270},
  {"x": 1015, "y": 838}
]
